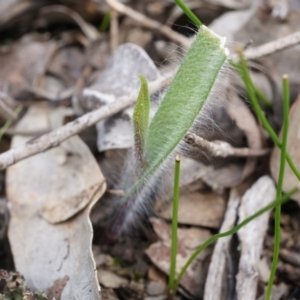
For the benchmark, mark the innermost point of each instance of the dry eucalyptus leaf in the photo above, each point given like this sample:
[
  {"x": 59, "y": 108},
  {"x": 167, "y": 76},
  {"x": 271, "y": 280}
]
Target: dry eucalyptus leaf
[
  {"x": 58, "y": 186},
  {"x": 231, "y": 22},
  {"x": 219, "y": 263},
  {"x": 293, "y": 146},
  {"x": 67, "y": 64},
  {"x": 22, "y": 64},
  {"x": 261, "y": 193},
  {"x": 188, "y": 241},
  {"x": 197, "y": 209}
]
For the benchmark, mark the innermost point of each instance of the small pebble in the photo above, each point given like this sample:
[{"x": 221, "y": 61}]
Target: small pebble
[{"x": 155, "y": 288}]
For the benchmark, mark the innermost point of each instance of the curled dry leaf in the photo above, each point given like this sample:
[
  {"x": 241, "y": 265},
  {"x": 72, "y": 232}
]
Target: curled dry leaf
[
  {"x": 293, "y": 146},
  {"x": 58, "y": 186}
]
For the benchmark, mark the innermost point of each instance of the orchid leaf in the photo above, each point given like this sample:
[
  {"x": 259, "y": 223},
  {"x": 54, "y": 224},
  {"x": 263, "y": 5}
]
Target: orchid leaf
[
  {"x": 141, "y": 118},
  {"x": 189, "y": 91}
]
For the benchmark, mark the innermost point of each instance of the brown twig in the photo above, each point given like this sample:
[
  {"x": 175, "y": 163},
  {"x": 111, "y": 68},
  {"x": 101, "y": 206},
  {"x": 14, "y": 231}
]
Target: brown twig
[
  {"x": 147, "y": 22},
  {"x": 59, "y": 135},
  {"x": 274, "y": 46},
  {"x": 221, "y": 148},
  {"x": 114, "y": 30}
]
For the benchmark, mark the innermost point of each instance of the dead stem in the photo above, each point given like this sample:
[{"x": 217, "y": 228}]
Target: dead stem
[{"x": 221, "y": 148}]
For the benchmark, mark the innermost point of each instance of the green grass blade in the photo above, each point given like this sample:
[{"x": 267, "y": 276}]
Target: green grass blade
[
  {"x": 258, "y": 92},
  {"x": 188, "y": 12},
  {"x": 209, "y": 241},
  {"x": 141, "y": 119},
  {"x": 172, "y": 282},
  {"x": 186, "y": 96},
  {"x": 264, "y": 99},
  {"x": 286, "y": 106}
]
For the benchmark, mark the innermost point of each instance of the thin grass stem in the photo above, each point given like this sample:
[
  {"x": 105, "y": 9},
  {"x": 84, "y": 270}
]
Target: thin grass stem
[
  {"x": 257, "y": 91},
  {"x": 105, "y": 22},
  {"x": 172, "y": 281},
  {"x": 262, "y": 96},
  {"x": 281, "y": 200},
  {"x": 286, "y": 106},
  {"x": 188, "y": 12}
]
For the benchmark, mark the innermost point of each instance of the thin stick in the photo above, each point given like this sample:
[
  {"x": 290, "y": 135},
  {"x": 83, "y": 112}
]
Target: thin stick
[
  {"x": 149, "y": 23},
  {"x": 172, "y": 282},
  {"x": 59, "y": 135},
  {"x": 114, "y": 30},
  {"x": 286, "y": 106},
  {"x": 221, "y": 148},
  {"x": 274, "y": 46},
  {"x": 209, "y": 241}
]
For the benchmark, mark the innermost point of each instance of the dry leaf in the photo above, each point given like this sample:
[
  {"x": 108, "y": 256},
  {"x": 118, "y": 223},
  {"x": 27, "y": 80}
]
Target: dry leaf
[
  {"x": 261, "y": 193},
  {"x": 197, "y": 209},
  {"x": 188, "y": 241},
  {"x": 219, "y": 263},
  {"x": 60, "y": 185}
]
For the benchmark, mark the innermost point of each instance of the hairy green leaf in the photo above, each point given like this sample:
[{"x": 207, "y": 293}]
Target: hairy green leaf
[{"x": 185, "y": 97}]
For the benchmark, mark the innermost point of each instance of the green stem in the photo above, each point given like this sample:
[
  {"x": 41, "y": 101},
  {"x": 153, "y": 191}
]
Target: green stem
[
  {"x": 172, "y": 281},
  {"x": 105, "y": 22},
  {"x": 8, "y": 123},
  {"x": 286, "y": 105},
  {"x": 281, "y": 200},
  {"x": 257, "y": 91},
  {"x": 260, "y": 114},
  {"x": 188, "y": 12},
  {"x": 262, "y": 96}
]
